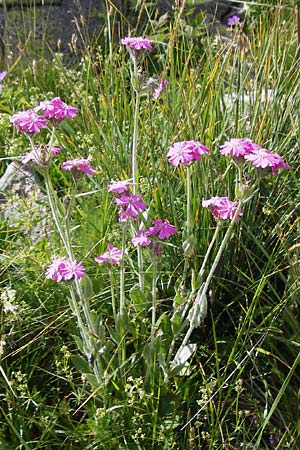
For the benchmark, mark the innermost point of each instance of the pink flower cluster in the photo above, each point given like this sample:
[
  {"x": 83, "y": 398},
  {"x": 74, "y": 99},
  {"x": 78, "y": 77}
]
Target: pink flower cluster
[
  {"x": 63, "y": 269},
  {"x": 2, "y": 76},
  {"x": 137, "y": 43},
  {"x": 238, "y": 147},
  {"x": 158, "y": 89},
  {"x": 28, "y": 121},
  {"x": 222, "y": 208},
  {"x": 41, "y": 155},
  {"x": 56, "y": 109},
  {"x": 265, "y": 159},
  {"x": 233, "y": 20},
  {"x": 78, "y": 165},
  {"x": 185, "y": 152},
  {"x": 130, "y": 205},
  {"x": 112, "y": 256},
  {"x": 161, "y": 230},
  {"x": 119, "y": 187},
  {"x": 261, "y": 158},
  {"x": 31, "y": 122}
]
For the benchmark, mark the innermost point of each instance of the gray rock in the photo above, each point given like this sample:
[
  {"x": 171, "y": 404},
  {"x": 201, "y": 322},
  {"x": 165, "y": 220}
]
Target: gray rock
[
  {"x": 215, "y": 10},
  {"x": 23, "y": 205},
  {"x": 67, "y": 25}
]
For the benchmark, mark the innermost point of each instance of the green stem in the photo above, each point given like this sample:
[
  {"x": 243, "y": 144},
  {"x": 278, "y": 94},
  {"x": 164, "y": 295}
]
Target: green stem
[
  {"x": 201, "y": 271},
  {"x": 122, "y": 347},
  {"x": 122, "y": 272},
  {"x": 112, "y": 293},
  {"x": 54, "y": 211},
  {"x": 203, "y": 289},
  {"x": 64, "y": 234},
  {"x": 221, "y": 248},
  {"x": 154, "y": 280},
  {"x": 188, "y": 204},
  {"x": 135, "y": 170},
  {"x": 187, "y": 251}
]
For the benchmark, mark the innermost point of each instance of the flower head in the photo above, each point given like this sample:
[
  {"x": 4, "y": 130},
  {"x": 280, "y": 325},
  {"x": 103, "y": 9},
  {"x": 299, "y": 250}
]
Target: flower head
[
  {"x": 265, "y": 159},
  {"x": 78, "y": 165},
  {"x": 119, "y": 187},
  {"x": 184, "y": 152},
  {"x": 63, "y": 269},
  {"x": 112, "y": 256},
  {"x": 2, "y": 76},
  {"x": 28, "y": 121},
  {"x": 41, "y": 155},
  {"x": 131, "y": 205},
  {"x": 238, "y": 147},
  {"x": 157, "y": 249},
  {"x": 158, "y": 89},
  {"x": 162, "y": 229},
  {"x": 233, "y": 20},
  {"x": 56, "y": 109},
  {"x": 137, "y": 43},
  {"x": 222, "y": 208},
  {"x": 141, "y": 239},
  {"x": 72, "y": 269}
]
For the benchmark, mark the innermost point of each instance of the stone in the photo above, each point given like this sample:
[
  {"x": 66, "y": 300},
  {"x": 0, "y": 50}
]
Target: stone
[
  {"x": 68, "y": 25},
  {"x": 23, "y": 205}
]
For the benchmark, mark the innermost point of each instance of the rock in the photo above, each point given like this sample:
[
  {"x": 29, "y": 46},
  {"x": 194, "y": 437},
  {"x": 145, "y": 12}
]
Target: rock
[
  {"x": 23, "y": 205},
  {"x": 215, "y": 10},
  {"x": 67, "y": 25},
  {"x": 60, "y": 25}
]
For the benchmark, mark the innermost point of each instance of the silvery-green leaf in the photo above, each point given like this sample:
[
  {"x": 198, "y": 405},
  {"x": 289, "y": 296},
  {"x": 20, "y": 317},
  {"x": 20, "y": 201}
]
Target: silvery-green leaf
[
  {"x": 183, "y": 354},
  {"x": 198, "y": 311}
]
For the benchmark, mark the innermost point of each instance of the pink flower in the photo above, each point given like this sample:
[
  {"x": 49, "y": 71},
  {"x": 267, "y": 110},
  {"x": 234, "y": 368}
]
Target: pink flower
[
  {"x": 162, "y": 229},
  {"x": 2, "y": 76},
  {"x": 82, "y": 165},
  {"x": 158, "y": 90},
  {"x": 53, "y": 271},
  {"x": 119, "y": 187},
  {"x": 72, "y": 269},
  {"x": 63, "y": 269},
  {"x": 28, "y": 121},
  {"x": 56, "y": 109},
  {"x": 131, "y": 205},
  {"x": 137, "y": 43},
  {"x": 233, "y": 20},
  {"x": 41, "y": 155},
  {"x": 141, "y": 239},
  {"x": 238, "y": 147},
  {"x": 222, "y": 207},
  {"x": 263, "y": 158},
  {"x": 113, "y": 256},
  {"x": 157, "y": 249},
  {"x": 184, "y": 152}
]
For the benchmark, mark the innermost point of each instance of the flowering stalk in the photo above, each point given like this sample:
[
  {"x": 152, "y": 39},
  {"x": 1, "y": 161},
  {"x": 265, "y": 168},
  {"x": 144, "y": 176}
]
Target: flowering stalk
[
  {"x": 64, "y": 234},
  {"x": 60, "y": 217},
  {"x": 112, "y": 293},
  {"x": 122, "y": 349},
  {"x": 210, "y": 247},
  {"x": 154, "y": 280},
  {"x": 136, "y": 90},
  {"x": 187, "y": 244},
  {"x": 200, "y": 298},
  {"x": 135, "y": 169},
  {"x": 221, "y": 248}
]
